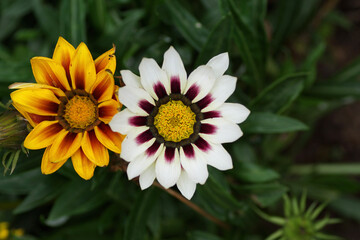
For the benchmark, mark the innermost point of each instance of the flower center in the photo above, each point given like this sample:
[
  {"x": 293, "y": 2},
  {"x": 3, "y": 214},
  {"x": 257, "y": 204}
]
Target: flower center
[
  {"x": 80, "y": 112},
  {"x": 175, "y": 121}
]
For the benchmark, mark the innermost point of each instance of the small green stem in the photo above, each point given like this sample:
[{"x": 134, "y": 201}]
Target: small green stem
[{"x": 327, "y": 168}]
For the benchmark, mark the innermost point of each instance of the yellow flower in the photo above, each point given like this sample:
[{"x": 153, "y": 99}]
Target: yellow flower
[
  {"x": 70, "y": 107},
  {"x": 4, "y": 230}
]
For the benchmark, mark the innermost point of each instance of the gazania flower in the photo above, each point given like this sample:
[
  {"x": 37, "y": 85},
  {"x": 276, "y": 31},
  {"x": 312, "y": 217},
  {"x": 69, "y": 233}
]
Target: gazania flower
[
  {"x": 175, "y": 124},
  {"x": 70, "y": 107}
]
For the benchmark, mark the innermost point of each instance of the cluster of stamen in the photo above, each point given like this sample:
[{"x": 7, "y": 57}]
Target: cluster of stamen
[
  {"x": 78, "y": 111},
  {"x": 175, "y": 121}
]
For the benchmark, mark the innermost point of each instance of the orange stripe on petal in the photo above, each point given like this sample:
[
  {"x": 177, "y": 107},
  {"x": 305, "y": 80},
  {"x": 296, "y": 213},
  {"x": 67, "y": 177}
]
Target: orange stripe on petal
[
  {"x": 107, "y": 60},
  {"x": 94, "y": 150},
  {"x": 107, "y": 110},
  {"x": 82, "y": 165},
  {"x": 48, "y": 167},
  {"x": 103, "y": 88},
  {"x": 63, "y": 54},
  {"x": 108, "y": 138},
  {"x": 37, "y": 101},
  {"x": 42, "y": 135},
  {"x": 48, "y": 71},
  {"x": 82, "y": 69},
  {"x": 64, "y": 146}
]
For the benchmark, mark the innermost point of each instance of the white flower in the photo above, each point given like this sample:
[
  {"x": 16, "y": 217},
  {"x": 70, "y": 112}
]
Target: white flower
[{"x": 175, "y": 124}]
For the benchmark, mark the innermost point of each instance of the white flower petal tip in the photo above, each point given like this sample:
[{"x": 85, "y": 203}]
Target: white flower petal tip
[
  {"x": 219, "y": 64},
  {"x": 220, "y": 130},
  {"x": 168, "y": 167},
  {"x": 234, "y": 112},
  {"x": 194, "y": 164},
  {"x": 186, "y": 186},
  {"x": 130, "y": 79},
  {"x": 147, "y": 177},
  {"x": 120, "y": 122},
  {"x": 175, "y": 70}
]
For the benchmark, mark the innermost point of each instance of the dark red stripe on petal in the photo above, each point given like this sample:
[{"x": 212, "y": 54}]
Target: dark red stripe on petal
[
  {"x": 146, "y": 106},
  {"x": 169, "y": 154},
  {"x": 160, "y": 90},
  {"x": 211, "y": 114},
  {"x": 137, "y": 121},
  {"x": 202, "y": 144},
  {"x": 152, "y": 150},
  {"x": 205, "y": 101},
  {"x": 175, "y": 84},
  {"x": 144, "y": 137},
  {"x": 207, "y": 128},
  {"x": 189, "y": 151},
  {"x": 192, "y": 92}
]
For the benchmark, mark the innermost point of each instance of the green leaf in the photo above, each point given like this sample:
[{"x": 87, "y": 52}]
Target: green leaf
[
  {"x": 135, "y": 225},
  {"x": 279, "y": 95},
  {"x": 250, "y": 172},
  {"x": 21, "y": 183},
  {"x": 76, "y": 198},
  {"x": 73, "y": 22},
  {"x": 11, "y": 16},
  {"x": 42, "y": 193},
  {"x": 47, "y": 18},
  {"x": 217, "y": 41},
  {"x": 335, "y": 90},
  {"x": 189, "y": 27},
  {"x": 263, "y": 122},
  {"x": 349, "y": 73},
  {"x": 347, "y": 206},
  {"x": 264, "y": 194}
]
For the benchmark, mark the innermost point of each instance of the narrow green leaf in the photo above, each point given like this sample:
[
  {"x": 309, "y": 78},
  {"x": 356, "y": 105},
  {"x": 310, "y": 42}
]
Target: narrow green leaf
[
  {"x": 189, "y": 27},
  {"x": 275, "y": 235},
  {"x": 318, "y": 210},
  {"x": 335, "y": 90},
  {"x": 273, "y": 219},
  {"x": 72, "y": 21},
  {"x": 262, "y": 122},
  {"x": 349, "y": 73},
  {"x": 303, "y": 201},
  {"x": 42, "y": 193},
  {"x": 216, "y": 42},
  {"x": 279, "y": 95},
  {"x": 21, "y": 183},
  {"x": 135, "y": 224},
  {"x": 48, "y": 19},
  {"x": 199, "y": 235},
  {"x": 76, "y": 198},
  {"x": 287, "y": 206}
]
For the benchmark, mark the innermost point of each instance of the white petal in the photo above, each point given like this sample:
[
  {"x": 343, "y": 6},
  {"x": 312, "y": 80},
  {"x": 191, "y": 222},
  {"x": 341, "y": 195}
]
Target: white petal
[
  {"x": 219, "y": 64},
  {"x": 147, "y": 177},
  {"x": 234, "y": 112},
  {"x": 174, "y": 67},
  {"x": 168, "y": 172},
  {"x": 130, "y": 79},
  {"x": 151, "y": 74},
  {"x": 131, "y": 98},
  {"x": 222, "y": 90},
  {"x": 120, "y": 122},
  {"x": 141, "y": 163},
  {"x": 185, "y": 185},
  {"x": 196, "y": 167},
  {"x": 130, "y": 148},
  {"x": 203, "y": 78},
  {"x": 225, "y": 131},
  {"x": 218, "y": 157}
]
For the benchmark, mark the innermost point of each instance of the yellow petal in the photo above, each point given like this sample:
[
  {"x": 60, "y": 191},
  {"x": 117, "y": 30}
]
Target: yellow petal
[
  {"x": 94, "y": 150},
  {"x": 48, "y": 167},
  {"x": 107, "y": 110},
  {"x": 42, "y": 135},
  {"x": 103, "y": 88},
  {"x": 82, "y": 69},
  {"x": 63, "y": 54},
  {"x": 58, "y": 92},
  {"x": 106, "y": 61},
  {"x": 64, "y": 146},
  {"x": 49, "y": 72},
  {"x": 82, "y": 165},
  {"x": 37, "y": 101},
  {"x": 108, "y": 138}
]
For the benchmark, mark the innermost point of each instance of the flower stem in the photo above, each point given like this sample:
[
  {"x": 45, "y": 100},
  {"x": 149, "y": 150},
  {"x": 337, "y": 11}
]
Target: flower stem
[
  {"x": 194, "y": 207},
  {"x": 347, "y": 169}
]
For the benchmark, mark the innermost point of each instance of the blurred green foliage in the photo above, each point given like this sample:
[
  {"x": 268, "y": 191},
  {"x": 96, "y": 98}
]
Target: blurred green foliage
[{"x": 275, "y": 50}]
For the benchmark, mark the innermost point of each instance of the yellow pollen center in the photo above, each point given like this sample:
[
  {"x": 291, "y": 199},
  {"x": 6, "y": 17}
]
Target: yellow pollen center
[
  {"x": 80, "y": 112},
  {"x": 175, "y": 121}
]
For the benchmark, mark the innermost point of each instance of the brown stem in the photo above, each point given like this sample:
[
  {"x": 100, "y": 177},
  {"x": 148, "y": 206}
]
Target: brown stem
[{"x": 193, "y": 206}]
